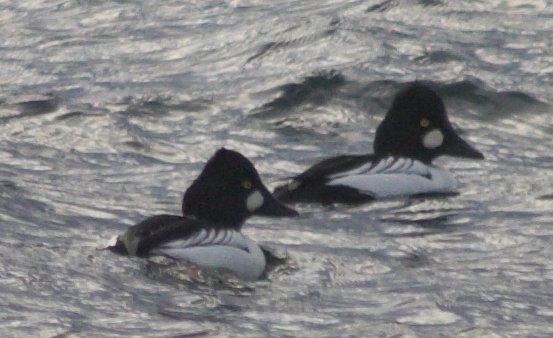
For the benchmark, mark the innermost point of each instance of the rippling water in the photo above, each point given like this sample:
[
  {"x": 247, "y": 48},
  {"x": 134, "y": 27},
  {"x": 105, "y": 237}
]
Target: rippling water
[{"x": 110, "y": 108}]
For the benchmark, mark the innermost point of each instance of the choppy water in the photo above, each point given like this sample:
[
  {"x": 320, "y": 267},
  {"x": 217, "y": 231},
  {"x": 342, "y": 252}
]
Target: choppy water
[{"x": 110, "y": 108}]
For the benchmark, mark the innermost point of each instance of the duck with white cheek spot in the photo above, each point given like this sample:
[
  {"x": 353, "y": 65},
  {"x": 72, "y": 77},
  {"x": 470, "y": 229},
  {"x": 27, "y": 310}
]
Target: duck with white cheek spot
[
  {"x": 414, "y": 132},
  {"x": 215, "y": 206}
]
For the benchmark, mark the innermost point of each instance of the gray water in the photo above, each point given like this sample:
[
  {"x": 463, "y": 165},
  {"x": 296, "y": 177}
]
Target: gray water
[{"x": 109, "y": 109}]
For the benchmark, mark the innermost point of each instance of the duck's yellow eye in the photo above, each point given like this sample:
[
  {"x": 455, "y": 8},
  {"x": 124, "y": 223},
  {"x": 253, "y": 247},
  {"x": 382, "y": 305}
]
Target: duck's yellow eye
[
  {"x": 247, "y": 184},
  {"x": 425, "y": 122}
]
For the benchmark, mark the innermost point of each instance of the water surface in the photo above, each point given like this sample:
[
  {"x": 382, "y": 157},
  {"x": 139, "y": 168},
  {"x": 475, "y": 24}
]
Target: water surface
[{"x": 109, "y": 109}]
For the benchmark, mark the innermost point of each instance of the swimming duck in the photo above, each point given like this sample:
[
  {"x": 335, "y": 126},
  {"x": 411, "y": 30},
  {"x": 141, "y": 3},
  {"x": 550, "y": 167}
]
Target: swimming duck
[
  {"x": 414, "y": 132},
  {"x": 215, "y": 206}
]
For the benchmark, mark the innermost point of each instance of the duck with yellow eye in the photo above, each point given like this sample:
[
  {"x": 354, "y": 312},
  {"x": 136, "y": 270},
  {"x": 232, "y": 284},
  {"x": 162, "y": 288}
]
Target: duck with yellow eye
[
  {"x": 227, "y": 192},
  {"x": 414, "y": 132},
  {"x": 255, "y": 199}
]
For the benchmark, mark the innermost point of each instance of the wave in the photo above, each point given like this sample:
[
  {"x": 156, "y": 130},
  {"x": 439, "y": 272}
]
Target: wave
[
  {"x": 315, "y": 90},
  {"x": 389, "y": 4},
  {"x": 276, "y": 46},
  {"x": 333, "y": 87},
  {"x": 41, "y": 105}
]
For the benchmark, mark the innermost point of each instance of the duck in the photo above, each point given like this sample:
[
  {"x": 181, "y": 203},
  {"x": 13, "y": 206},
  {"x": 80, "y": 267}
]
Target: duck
[
  {"x": 227, "y": 192},
  {"x": 415, "y": 131}
]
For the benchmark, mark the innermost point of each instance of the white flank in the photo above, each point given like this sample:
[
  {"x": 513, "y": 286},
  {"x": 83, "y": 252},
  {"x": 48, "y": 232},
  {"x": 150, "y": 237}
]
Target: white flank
[
  {"x": 433, "y": 139},
  {"x": 399, "y": 177},
  {"x": 254, "y": 201},
  {"x": 223, "y": 249}
]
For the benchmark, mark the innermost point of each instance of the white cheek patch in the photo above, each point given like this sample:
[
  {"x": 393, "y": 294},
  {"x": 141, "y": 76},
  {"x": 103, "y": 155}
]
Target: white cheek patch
[
  {"x": 254, "y": 201},
  {"x": 433, "y": 139}
]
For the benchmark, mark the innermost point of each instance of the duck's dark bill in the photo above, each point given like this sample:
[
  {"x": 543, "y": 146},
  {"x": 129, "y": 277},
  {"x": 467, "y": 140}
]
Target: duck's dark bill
[
  {"x": 273, "y": 207},
  {"x": 460, "y": 148}
]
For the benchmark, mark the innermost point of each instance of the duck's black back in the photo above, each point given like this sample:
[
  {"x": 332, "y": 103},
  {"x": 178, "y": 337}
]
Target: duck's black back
[
  {"x": 149, "y": 234},
  {"x": 310, "y": 185}
]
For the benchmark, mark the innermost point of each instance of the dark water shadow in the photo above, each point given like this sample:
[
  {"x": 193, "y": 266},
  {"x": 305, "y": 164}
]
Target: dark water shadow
[
  {"x": 375, "y": 97},
  {"x": 492, "y": 104},
  {"x": 276, "y": 46},
  {"x": 316, "y": 90},
  {"x": 75, "y": 115},
  {"x": 390, "y": 4},
  {"x": 439, "y": 56},
  {"x": 49, "y": 104},
  {"x": 161, "y": 106}
]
